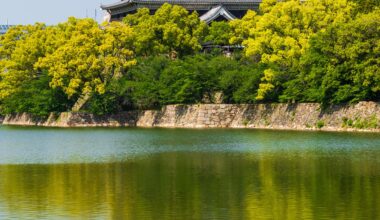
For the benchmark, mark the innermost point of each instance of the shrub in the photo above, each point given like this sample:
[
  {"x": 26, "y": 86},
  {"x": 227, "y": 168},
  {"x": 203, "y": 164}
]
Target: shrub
[
  {"x": 37, "y": 98},
  {"x": 320, "y": 124}
]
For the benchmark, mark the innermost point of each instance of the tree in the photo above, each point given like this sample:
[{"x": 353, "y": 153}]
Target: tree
[
  {"x": 142, "y": 83},
  {"x": 88, "y": 57},
  {"x": 188, "y": 80},
  {"x": 280, "y": 35},
  {"x": 342, "y": 64},
  {"x": 171, "y": 30},
  {"x": 20, "y": 48},
  {"x": 239, "y": 81},
  {"x": 241, "y": 27},
  {"x": 36, "y": 97},
  {"x": 366, "y": 6},
  {"x": 219, "y": 33}
]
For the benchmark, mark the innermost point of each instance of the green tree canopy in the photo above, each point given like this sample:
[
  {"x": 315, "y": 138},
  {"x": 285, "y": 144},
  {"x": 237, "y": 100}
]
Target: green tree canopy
[
  {"x": 280, "y": 34},
  {"x": 172, "y": 29},
  {"x": 21, "y": 47},
  {"x": 88, "y": 57},
  {"x": 312, "y": 51},
  {"x": 342, "y": 64},
  {"x": 366, "y": 6},
  {"x": 219, "y": 33}
]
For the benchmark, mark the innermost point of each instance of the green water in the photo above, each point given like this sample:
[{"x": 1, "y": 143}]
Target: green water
[{"x": 187, "y": 174}]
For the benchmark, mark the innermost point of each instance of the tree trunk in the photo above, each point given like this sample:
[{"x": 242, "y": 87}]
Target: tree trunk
[{"x": 83, "y": 99}]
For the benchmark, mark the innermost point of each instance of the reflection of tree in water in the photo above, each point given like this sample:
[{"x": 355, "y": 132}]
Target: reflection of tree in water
[{"x": 199, "y": 185}]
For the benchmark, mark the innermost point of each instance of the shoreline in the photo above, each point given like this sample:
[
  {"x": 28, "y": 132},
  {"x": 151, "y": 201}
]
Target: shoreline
[
  {"x": 360, "y": 117},
  {"x": 332, "y": 130},
  {"x": 325, "y": 129}
]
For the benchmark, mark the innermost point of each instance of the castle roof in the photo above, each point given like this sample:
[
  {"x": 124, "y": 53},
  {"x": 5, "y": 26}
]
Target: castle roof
[
  {"x": 216, "y": 12},
  {"x": 180, "y": 2},
  {"x": 208, "y": 10}
]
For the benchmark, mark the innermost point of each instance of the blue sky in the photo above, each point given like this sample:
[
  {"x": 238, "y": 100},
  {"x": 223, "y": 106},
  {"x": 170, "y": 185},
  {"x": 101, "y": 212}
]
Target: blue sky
[{"x": 48, "y": 11}]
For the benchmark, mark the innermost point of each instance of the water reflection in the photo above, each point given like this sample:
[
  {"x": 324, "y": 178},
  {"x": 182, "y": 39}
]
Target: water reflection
[{"x": 199, "y": 185}]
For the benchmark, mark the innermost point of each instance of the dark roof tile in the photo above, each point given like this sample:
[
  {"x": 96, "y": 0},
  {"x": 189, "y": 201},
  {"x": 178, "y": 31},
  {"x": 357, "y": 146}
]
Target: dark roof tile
[{"x": 179, "y": 2}]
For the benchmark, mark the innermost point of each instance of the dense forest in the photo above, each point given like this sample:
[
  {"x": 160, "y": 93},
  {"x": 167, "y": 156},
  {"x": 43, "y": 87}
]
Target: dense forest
[{"x": 325, "y": 51}]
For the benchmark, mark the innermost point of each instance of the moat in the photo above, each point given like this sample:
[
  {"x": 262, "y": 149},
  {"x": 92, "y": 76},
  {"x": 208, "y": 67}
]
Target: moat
[{"x": 133, "y": 173}]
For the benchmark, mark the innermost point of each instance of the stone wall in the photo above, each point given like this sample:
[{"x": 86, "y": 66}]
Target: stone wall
[{"x": 363, "y": 116}]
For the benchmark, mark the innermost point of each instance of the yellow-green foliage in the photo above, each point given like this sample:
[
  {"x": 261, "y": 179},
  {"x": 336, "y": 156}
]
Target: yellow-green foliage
[
  {"x": 20, "y": 49},
  {"x": 242, "y": 27},
  {"x": 280, "y": 34},
  {"x": 341, "y": 65},
  {"x": 172, "y": 29},
  {"x": 88, "y": 56},
  {"x": 323, "y": 51},
  {"x": 219, "y": 33},
  {"x": 371, "y": 122},
  {"x": 320, "y": 124},
  {"x": 78, "y": 55}
]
